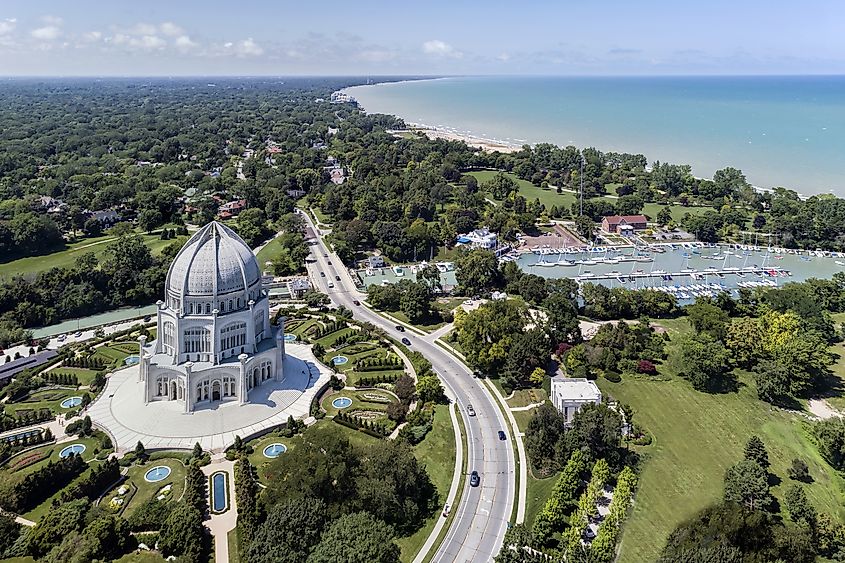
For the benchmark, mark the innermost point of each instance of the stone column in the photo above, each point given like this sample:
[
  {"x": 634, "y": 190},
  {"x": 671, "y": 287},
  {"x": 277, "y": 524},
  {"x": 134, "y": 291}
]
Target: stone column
[
  {"x": 189, "y": 401},
  {"x": 279, "y": 374},
  {"x": 159, "y": 303},
  {"x": 142, "y": 341},
  {"x": 214, "y": 336},
  {"x": 243, "y": 375},
  {"x": 250, "y": 327}
]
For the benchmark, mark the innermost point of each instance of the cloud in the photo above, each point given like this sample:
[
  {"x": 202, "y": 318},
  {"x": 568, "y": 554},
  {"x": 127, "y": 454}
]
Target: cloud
[
  {"x": 624, "y": 51},
  {"x": 184, "y": 43},
  {"x": 7, "y": 26},
  {"x": 92, "y": 36},
  {"x": 170, "y": 29},
  {"x": 52, "y": 20},
  {"x": 503, "y": 57},
  {"x": 46, "y": 33},
  {"x": 440, "y": 49},
  {"x": 143, "y": 42},
  {"x": 246, "y": 48}
]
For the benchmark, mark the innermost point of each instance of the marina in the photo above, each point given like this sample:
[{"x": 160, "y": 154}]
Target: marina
[{"x": 686, "y": 270}]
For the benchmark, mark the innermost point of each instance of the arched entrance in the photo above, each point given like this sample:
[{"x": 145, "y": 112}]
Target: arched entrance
[
  {"x": 215, "y": 391},
  {"x": 172, "y": 390}
]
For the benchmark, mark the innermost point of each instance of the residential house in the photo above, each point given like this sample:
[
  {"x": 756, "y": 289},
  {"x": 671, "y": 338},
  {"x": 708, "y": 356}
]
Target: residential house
[
  {"x": 479, "y": 238},
  {"x": 569, "y": 394},
  {"x": 623, "y": 224}
]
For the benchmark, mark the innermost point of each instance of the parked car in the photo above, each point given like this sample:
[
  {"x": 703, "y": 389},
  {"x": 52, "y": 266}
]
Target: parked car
[
  {"x": 406, "y": 342},
  {"x": 337, "y": 278},
  {"x": 322, "y": 274},
  {"x": 446, "y": 511},
  {"x": 470, "y": 410},
  {"x": 330, "y": 262},
  {"x": 331, "y": 285},
  {"x": 356, "y": 302},
  {"x": 78, "y": 334},
  {"x": 502, "y": 435},
  {"x": 400, "y": 328},
  {"x": 474, "y": 479}
]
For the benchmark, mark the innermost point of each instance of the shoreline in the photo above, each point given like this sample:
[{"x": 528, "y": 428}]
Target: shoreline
[{"x": 490, "y": 145}]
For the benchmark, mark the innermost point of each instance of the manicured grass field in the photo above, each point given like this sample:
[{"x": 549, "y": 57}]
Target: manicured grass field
[
  {"x": 550, "y": 197},
  {"x": 115, "y": 354},
  {"x": 437, "y": 452},
  {"x": 697, "y": 436},
  {"x": 84, "y": 375},
  {"x": 64, "y": 258},
  {"x": 44, "y": 399},
  {"x": 536, "y": 495},
  {"x": 428, "y": 325},
  {"x": 145, "y": 490},
  {"x": 268, "y": 253},
  {"x": 525, "y": 397}
]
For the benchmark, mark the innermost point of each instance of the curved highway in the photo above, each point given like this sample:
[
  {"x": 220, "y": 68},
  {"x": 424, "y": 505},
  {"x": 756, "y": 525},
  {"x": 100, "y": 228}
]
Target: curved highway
[{"x": 481, "y": 518}]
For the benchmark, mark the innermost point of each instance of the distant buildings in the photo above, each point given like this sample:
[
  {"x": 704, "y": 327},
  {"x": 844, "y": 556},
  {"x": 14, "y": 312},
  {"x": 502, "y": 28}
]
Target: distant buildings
[
  {"x": 106, "y": 217},
  {"x": 231, "y": 208},
  {"x": 342, "y": 98},
  {"x": 479, "y": 238},
  {"x": 375, "y": 262},
  {"x": 569, "y": 394},
  {"x": 298, "y": 287},
  {"x": 623, "y": 224}
]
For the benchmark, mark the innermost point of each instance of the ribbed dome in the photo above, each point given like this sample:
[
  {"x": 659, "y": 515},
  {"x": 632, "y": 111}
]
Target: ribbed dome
[{"x": 215, "y": 261}]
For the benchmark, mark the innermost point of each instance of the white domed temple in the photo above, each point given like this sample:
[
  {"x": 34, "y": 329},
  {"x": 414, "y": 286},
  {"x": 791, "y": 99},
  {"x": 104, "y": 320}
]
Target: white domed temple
[
  {"x": 215, "y": 342},
  {"x": 218, "y": 368}
]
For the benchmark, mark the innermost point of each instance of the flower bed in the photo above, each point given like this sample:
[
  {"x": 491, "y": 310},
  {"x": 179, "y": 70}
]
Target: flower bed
[{"x": 29, "y": 459}]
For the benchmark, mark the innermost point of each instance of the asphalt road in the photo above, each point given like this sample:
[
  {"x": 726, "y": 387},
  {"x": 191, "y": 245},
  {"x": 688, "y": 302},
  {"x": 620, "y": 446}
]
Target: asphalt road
[{"x": 481, "y": 518}]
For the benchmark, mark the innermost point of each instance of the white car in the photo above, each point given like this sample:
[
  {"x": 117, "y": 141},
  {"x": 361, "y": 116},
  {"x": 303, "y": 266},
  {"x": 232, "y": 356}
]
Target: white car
[{"x": 331, "y": 285}]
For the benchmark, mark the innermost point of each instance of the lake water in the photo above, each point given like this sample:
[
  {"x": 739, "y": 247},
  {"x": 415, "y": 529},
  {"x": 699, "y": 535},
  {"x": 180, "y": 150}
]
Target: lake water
[{"x": 781, "y": 131}]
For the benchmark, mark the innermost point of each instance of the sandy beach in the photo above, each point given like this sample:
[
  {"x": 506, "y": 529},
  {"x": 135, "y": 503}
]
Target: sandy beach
[{"x": 486, "y": 145}]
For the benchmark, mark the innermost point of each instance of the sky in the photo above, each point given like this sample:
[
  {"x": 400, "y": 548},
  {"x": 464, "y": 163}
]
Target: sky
[{"x": 432, "y": 37}]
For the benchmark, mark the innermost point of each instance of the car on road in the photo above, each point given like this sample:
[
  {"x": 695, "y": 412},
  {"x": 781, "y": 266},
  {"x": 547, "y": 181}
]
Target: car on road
[
  {"x": 470, "y": 410},
  {"x": 446, "y": 511},
  {"x": 325, "y": 255},
  {"x": 400, "y": 328},
  {"x": 322, "y": 274},
  {"x": 406, "y": 342},
  {"x": 356, "y": 302},
  {"x": 474, "y": 479},
  {"x": 502, "y": 435},
  {"x": 331, "y": 285},
  {"x": 337, "y": 278},
  {"x": 330, "y": 262}
]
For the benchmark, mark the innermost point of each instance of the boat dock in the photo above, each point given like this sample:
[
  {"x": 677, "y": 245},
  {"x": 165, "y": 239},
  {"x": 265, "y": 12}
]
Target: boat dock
[{"x": 685, "y": 273}]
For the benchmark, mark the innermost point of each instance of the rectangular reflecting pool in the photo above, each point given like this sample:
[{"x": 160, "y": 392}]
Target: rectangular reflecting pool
[{"x": 219, "y": 498}]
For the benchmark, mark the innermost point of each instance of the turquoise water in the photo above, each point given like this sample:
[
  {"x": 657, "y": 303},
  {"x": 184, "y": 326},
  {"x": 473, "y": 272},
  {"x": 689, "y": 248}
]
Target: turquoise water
[
  {"x": 275, "y": 450},
  {"x": 72, "y": 449},
  {"x": 158, "y": 473},
  {"x": 781, "y": 131}
]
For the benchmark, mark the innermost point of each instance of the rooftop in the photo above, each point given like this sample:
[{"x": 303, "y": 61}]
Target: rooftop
[{"x": 575, "y": 387}]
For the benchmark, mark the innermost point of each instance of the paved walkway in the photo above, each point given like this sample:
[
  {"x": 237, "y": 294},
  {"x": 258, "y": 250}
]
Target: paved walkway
[
  {"x": 822, "y": 409},
  {"x": 221, "y": 524},
  {"x": 120, "y": 409}
]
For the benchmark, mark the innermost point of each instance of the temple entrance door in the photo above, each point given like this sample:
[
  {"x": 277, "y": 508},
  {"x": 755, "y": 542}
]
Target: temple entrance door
[
  {"x": 215, "y": 391},
  {"x": 172, "y": 390}
]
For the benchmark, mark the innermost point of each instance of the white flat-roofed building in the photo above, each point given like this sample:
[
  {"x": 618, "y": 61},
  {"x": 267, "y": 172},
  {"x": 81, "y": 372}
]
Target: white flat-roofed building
[
  {"x": 479, "y": 238},
  {"x": 569, "y": 394}
]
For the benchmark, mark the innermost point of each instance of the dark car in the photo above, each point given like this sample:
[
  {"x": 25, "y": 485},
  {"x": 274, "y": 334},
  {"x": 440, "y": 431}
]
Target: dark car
[
  {"x": 406, "y": 342},
  {"x": 400, "y": 328},
  {"x": 337, "y": 278},
  {"x": 474, "y": 479},
  {"x": 330, "y": 262},
  {"x": 325, "y": 255},
  {"x": 322, "y": 274},
  {"x": 502, "y": 435},
  {"x": 356, "y": 302}
]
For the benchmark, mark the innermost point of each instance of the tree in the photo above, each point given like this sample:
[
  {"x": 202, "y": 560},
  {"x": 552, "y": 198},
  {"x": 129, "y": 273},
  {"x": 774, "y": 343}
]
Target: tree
[
  {"x": 108, "y": 538},
  {"x": 798, "y": 470},
  {"x": 487, "y": 333},
  {"x": 415, "y": 302},
  {"x": 356, "y": 538},
  {"x": 430, "y": 276},
  {"x": 596, "y": 430},
  {"x": 664, "y": 216},
  {"x": 476, "y": 271},
  {"x": 585, "y": 226},
  {"x": 429, "y": 389},
  {"x": 149, "y": 220},
  {"x": 830, "y": 438},
  {"x": 545, "y": 440},
  {"x": 708, "y": 318},
  {"x": 703, "y": 360},
  {"x": 537, "y": 376},
  {"x": 9, "y": 532},
  {"x": 289, "y": 533},
  {"x": 798, "y": 507},
  {"x": 744, "y": 338},
  {"x": 746, "y": 483},
  {"x": 561, "y": 318},
  {"x": 755, "y": 450},
  {"x": 183, "y": 534},
  {"x": 140, "y": 451},
  {"x": 62, "y": 520}
]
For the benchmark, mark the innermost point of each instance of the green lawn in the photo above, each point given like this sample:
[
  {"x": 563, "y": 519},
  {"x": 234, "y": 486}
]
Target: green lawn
[
  {"x": 550, "y": 197},
  {"x": 697, "y": 436},
  {"x": 536, "y": 495},
  {"x": 67, "y": 256},
  {"x": 84, "y": 375},
  {"x": 838, "y": 401},
  {"x": 115, "y": 354},
  {"x": 270, "y": 251},
  {"x": 427, "y": 325},
  {"x": 43, "y": 399},
  {"x": 437, "y": 452},
  {"x": 145, "y": 490},
  {"x": 525, "y": 397}
]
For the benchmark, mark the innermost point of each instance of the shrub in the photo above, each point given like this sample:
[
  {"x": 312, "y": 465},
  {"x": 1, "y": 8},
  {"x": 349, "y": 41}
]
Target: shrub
[
  {"x": 612, "y": 376},
  {"x": 646, "y": 367}
]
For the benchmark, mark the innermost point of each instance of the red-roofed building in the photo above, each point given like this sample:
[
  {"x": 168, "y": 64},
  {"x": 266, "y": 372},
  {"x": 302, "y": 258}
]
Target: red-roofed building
[
  {"x": 231, "y": 208},
  {"x": 623, "y": 223}
]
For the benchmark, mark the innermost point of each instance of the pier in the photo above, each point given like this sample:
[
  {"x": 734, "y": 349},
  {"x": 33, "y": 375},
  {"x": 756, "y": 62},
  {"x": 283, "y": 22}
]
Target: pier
[{"x": 686, "y": 273}]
